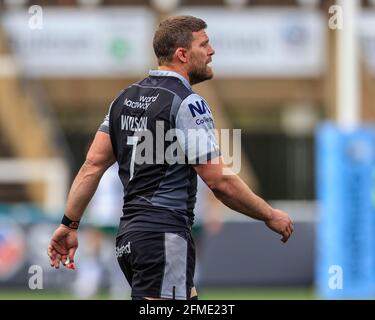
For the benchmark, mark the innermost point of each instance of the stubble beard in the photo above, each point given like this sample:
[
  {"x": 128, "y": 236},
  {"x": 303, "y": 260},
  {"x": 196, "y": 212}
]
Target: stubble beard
[{"x": 199, "y": 74}]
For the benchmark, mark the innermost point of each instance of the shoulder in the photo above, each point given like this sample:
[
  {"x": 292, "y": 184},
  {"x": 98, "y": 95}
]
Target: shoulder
[
  {"x": 117, "y": 98},
  {"x": 175, "y": 86},
  {"x": 195, "y": 105}
]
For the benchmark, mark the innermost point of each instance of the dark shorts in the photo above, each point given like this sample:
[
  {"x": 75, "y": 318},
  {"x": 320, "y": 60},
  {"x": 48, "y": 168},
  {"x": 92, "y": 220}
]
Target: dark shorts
[{"x": 157, "y": 264}]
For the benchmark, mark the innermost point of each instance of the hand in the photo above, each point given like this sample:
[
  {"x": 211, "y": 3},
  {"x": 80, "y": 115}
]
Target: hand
[
  {"x": 63, "y": 245},
  {"x": 281, "y": 223}
]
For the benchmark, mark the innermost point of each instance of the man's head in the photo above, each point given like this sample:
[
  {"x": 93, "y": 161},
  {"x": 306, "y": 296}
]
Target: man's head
[{"x": 182, "y": 42}]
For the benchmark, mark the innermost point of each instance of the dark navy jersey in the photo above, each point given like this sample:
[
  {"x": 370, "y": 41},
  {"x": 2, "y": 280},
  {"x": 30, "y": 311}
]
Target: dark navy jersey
[{"x": 159, "y": 128}]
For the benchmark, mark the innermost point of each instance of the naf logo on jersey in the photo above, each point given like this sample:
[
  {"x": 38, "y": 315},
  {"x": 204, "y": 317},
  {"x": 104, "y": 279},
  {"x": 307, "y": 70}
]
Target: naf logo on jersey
[{"x": 199, "y": 107}]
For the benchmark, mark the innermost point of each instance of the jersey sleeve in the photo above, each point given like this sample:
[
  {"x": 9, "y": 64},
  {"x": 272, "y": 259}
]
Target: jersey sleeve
[
  {"x": 104, "y": 127},
  {"x": 196, "y": 130}
]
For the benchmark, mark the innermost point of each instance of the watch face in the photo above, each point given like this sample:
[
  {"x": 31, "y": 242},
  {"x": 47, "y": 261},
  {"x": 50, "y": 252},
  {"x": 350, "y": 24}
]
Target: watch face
[{"x": 73, "y": 225}]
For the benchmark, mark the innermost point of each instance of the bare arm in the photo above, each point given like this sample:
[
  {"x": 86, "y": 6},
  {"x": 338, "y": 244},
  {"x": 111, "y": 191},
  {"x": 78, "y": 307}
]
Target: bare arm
[
  {"x": 99, "y": 158},
  {"x": 64, "y": 241},
  {"x": 234, "y": 193}
]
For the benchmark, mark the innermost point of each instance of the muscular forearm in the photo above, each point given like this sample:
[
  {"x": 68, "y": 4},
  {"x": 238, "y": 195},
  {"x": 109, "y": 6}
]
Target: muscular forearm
[
  {"x": 235, "y": 194},
  {"x": 82, "y": 190}
]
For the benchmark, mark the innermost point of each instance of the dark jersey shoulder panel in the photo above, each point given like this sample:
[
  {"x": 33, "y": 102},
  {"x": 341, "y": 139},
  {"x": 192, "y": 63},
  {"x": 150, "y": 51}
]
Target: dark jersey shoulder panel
[{"x": 158, "y": 195}]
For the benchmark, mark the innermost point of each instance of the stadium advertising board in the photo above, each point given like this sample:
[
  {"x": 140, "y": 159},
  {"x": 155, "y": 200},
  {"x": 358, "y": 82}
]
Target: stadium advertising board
[
  {"x": 265, "y": 42},
  {"x": 345, "y": 232},
  {"x": 82, "y": 43}
]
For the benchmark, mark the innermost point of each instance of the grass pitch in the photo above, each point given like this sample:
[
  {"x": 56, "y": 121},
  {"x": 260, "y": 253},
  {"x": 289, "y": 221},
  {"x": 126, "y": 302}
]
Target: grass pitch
[{"x": 204, "y": 294}]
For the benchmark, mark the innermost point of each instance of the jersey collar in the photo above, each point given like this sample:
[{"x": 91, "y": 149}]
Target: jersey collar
[{"x": 164, "y": 73}]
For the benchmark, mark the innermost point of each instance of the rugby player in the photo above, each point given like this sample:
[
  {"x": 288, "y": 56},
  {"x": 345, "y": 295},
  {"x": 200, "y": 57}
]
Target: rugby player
[{"x": 154, "y": 246}]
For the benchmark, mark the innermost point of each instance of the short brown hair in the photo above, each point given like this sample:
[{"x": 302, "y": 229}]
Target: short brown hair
[{"x": 173, "y": 33}]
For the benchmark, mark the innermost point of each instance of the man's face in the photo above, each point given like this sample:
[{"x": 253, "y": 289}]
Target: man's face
[{"x": 200, "y": 55}]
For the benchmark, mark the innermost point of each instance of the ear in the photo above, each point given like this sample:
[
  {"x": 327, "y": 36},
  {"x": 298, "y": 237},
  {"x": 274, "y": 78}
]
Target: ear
[{"x": 181, "y": 54}]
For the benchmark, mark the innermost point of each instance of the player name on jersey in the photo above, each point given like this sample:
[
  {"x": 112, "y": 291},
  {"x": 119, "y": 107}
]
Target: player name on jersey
[{"x": 130, "y": 123}]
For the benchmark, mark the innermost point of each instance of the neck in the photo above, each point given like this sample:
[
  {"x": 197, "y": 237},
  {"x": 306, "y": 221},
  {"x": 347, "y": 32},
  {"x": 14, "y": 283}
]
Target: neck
[{"x": 178, "y": 70}]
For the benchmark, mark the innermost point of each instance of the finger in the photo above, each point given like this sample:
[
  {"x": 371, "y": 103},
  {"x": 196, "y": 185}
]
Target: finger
[
  {"x": 50, "y": 257},
  {"x": 71, "y": 266},
  {"x": 63, "y": 259},
  {"x": 53, "y": 259},
  {"x": 72, "y": 252},
  {"x": 285, "y": 236},
  {"x": 292, "y": 227},
  {"x": 57, "y": 264},
  {"x": 51, "y": 262},
  {"x": 58, "y": 259},
  {"x": 289, "y": 230},
  {"x": 290, "y": 233},
  {"x": 51, "y": 252}
]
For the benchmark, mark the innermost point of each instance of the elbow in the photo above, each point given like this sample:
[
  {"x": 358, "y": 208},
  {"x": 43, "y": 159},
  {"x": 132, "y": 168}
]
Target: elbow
[
  {"x": 93, "y": 167},
  {"x": 89, "y": 164},
  {"x": 218, "y": 187},
  {"x": 218, "y": 194}
]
